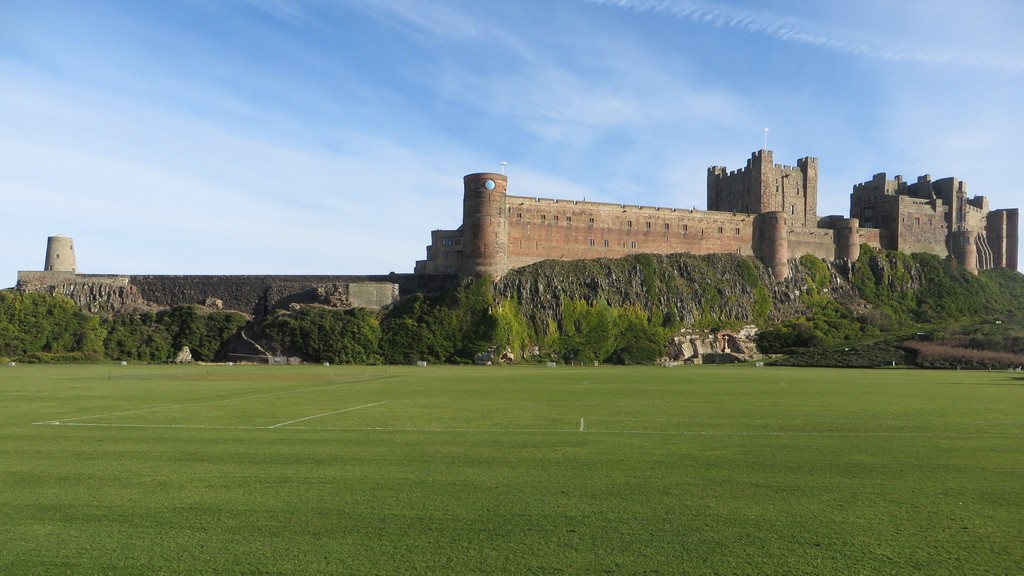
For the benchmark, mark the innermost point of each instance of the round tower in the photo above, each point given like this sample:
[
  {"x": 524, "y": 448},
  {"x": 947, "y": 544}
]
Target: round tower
[
  {"x": 484, "y": 224},
  {"x": 60, "y": 255},
  {"x": 966, "y": 249},
  {"x": 847, "y": 238},
  {"x": 774, "y": 243}
]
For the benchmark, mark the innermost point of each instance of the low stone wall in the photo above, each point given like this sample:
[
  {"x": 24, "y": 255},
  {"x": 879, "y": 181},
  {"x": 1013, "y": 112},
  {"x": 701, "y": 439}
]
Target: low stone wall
[{"x": 257, "y": 295}]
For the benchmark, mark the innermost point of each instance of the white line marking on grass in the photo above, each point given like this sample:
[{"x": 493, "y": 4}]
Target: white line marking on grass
[
  {"x": 197, "y": 426},
  {"x": 581, "y": 424},
  {"x": 537, "y": 430},
  {"x": 222, "y": 400},
  {"x": 326, "y": 414}
]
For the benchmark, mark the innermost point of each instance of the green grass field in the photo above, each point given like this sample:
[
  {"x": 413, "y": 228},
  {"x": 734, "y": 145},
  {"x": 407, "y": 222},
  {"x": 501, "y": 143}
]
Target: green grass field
[{"x": 444, "y": 470}]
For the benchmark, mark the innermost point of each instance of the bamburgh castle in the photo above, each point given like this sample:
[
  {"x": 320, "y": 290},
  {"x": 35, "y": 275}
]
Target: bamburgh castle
[{"x": 765, "y": 210}]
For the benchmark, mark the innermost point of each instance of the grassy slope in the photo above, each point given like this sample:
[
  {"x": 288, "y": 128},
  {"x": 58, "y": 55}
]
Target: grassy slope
[{"x": 485, "y": 470}]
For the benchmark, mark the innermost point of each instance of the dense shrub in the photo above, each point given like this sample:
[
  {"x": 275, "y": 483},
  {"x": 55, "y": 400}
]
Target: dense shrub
[
  {"x": 327, "y": 335},
  {"x": 876, "y": 355},
  {"x": 33, "y": 323}
]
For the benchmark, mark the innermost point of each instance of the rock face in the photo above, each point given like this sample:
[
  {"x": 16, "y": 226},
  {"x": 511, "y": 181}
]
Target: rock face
[
  {"x": 94, "y": 294},
  {"x": 713, "y": 347},
  {"x": 693, "y": 290},
  {"x": 703, "y": 292}
]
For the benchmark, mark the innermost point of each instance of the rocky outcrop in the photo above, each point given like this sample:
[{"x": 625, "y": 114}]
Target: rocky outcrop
[
  {"x": 184, "y": 356},
  {"x": 101, "y": 297},
  {"x": 715, "y": 347},
  {"x": 693, "y": 290}
]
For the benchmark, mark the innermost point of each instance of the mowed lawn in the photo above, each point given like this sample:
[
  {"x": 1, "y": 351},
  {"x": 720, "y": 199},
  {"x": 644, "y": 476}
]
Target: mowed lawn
[{"x": 509, "y": 470}]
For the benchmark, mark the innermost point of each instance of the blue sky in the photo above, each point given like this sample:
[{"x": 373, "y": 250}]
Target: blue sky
[{"x": 331, "y": 136}]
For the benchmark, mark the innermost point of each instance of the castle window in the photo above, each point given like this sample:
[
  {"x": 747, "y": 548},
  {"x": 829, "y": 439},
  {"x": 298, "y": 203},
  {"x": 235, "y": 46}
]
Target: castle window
[
  {"x": 446, "y": 241},
  {"x": 720, "y": 230},
  {"x": 449, "y": 269},
  {"x": 666, "y": 226},
  {"x": 591, "y": 220},
  {"x": 445, "y": 255},
  {"x": 632, "y": 244},
  {"x": 458, "y": 241},
  {"x": 737, "y": 231},
  {"x": 629, "y": 223},
  {"x": 605, "y": 243},
  {"x": 568, "y": 219},
  {"x": 917, "y": 221},
  {"x": 556, "y": 219},
  {"x": 792, "y": 209},
  {"x": 591, "y": 242},
  {"x": 543, "y": 218},
  {"x": 647, "y": 225},
  {"x": 519, "y": 215}
]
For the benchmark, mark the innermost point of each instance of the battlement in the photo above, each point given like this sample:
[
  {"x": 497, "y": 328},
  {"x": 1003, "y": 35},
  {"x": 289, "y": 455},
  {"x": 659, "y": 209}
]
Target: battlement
[{"x": 540, "y": 202}]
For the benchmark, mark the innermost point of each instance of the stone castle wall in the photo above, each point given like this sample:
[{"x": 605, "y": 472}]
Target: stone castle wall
[
  {"x": 540, "y": 228},
  {"x": 255, "y": 295},
  {"x": 765, "y": 210}
]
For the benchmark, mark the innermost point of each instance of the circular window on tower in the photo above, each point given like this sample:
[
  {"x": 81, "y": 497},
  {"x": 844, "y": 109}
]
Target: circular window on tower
[{"x": 489, "y": 184}]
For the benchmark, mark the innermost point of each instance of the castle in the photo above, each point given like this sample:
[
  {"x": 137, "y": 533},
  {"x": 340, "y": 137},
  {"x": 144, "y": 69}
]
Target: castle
[{"x": 765, "y": 210}]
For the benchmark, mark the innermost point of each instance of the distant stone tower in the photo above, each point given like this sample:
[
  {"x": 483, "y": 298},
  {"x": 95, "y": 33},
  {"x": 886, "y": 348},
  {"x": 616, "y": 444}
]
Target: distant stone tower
[
  {"x": 60, "y": 254},
  {"x": 485, "y": 224}
]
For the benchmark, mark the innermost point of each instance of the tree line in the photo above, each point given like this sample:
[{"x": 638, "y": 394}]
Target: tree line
[
  {"x": 891, "y": 295},
  {"x": 455, "y": 327}
]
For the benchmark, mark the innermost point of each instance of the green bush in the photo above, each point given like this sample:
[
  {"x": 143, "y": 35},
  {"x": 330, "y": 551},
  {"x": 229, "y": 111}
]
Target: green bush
[{"x": 328, "y": 335}]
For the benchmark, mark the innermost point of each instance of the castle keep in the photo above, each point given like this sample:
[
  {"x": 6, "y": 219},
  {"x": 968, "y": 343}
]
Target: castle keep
[{"x": 765, "y": 210}]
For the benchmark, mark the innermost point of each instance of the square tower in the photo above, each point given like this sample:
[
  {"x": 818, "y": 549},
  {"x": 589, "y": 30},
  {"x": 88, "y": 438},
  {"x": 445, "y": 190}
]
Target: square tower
[{"x": 763, "y": 186}]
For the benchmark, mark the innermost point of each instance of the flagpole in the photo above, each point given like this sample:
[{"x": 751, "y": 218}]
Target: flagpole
[{"x": 765, "y": 138}]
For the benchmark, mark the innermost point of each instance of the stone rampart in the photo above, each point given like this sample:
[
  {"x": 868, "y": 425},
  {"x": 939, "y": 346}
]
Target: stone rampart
[
  {"x": 818, "y": 242},
  {"x": 256, "y": 295},
  {"x": 541, "y": 228},
  {"x": 259, "y": 295}
]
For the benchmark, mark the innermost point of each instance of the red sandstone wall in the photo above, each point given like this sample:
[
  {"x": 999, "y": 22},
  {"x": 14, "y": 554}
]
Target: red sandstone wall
[
  {"x": 542, "y": 228},
  {"x": 921, "y": 227},
  {"x": 819, "y": 242}
]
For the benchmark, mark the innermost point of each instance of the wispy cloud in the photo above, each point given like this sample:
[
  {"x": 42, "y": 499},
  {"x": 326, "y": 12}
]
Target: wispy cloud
[{"x": 801, "y": 31}]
